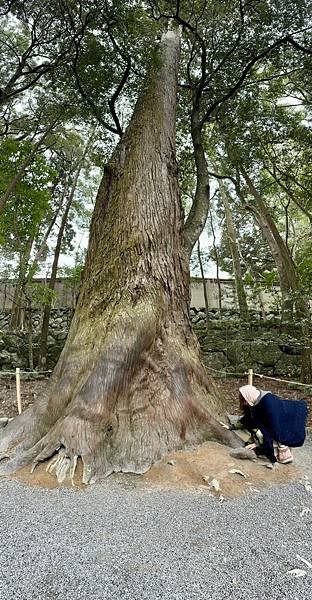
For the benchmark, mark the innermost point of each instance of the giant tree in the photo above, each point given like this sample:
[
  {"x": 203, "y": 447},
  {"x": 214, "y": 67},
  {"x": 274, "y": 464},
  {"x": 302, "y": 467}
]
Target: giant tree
[{"x": 129, "y": 385}]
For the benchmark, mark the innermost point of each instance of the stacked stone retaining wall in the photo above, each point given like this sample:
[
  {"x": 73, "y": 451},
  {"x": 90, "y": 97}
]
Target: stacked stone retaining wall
[{"x": 226, "y": 343}]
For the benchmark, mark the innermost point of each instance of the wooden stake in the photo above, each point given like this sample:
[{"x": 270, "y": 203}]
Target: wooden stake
[
  {"x": 18, "y": 390},
  {"x": 250, "y": 376}
]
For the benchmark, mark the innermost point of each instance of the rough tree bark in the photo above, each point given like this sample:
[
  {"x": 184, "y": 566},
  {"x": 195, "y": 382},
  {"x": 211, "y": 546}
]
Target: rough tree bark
[
  {"x": 233, "y": 242},
  {"x": 129, "y": 385}
]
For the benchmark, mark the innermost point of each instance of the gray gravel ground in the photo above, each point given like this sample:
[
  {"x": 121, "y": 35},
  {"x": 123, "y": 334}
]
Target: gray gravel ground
[{"x": 115, "y": 541}]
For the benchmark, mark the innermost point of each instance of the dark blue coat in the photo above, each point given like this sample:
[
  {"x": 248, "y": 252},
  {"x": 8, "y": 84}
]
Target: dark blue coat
[{"x": 281, "y": 420}]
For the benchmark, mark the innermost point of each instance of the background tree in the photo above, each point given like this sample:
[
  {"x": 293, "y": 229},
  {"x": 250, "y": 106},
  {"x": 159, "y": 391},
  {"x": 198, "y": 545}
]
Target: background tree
[{"x": 24, "y": 211}]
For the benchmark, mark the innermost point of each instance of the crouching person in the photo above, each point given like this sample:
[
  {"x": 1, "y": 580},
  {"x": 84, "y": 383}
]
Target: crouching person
[{"x": 281, "y": 422}]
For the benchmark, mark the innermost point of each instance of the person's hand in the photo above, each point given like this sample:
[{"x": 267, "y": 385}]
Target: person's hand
[{"x": 251, "y": 446}]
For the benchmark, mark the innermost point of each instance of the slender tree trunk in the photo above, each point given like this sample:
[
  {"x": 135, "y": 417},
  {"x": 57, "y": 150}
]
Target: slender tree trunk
[
  {"x": 288, "y": 276},
  {"x": 19, "y": 299},
  {"x": 217, "y": 264},
  {"x": 45, "y": 238},
  {"x": 129, "y": 385},
  {"x": 201, "y": 266},
  {"x": 291, "y": 195},
  {"x": 197, "y": 217},
  {"x": 30, "y": 336},
  {"x": 51, "y": 284},
  {"x": 262, "y": 305},
  {"x": 19, "y": 175},
  {"x": 233, "y": 241},
  {"x": 283, "y": 260},
  {"x": 59, "y": 240}
]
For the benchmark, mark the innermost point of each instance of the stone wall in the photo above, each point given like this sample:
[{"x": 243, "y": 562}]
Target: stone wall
[
  {"x": 228, "y": 344},
  {"x": 232, "y": 346},
  {"x": 14, "y": 346}
]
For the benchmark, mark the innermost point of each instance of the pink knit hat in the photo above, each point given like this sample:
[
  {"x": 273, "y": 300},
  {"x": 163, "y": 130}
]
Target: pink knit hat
[{"x": 249, "y": 393}]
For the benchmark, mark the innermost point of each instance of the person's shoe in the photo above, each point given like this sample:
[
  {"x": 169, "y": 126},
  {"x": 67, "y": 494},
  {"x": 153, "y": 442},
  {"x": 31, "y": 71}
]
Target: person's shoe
[{"x": 284, "y": 455}]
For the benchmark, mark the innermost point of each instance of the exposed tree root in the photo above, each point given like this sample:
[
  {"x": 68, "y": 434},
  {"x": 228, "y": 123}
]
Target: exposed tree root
[
  {"x": 130, "y": 439},
  {"x": 121, "y": 407}
]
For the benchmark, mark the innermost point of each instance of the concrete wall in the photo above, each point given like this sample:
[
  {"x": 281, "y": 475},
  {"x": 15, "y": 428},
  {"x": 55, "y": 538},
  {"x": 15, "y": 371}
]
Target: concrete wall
[
  {"x": 265, "y": 300},
  {"x": 66, "y": 295}
]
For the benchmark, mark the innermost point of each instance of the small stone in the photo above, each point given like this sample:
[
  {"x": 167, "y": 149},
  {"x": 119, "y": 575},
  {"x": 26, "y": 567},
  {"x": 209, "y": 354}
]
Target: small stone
[
  {"x": 215, "y": 484},
  {"x": 243, "y": 454}
]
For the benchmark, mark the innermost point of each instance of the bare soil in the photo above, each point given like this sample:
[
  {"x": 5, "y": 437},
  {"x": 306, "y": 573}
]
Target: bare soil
[
  {"x": 196, "y": 470},
  {"x": 209, "y": 465},
  {"x": 29, "y": 390}
]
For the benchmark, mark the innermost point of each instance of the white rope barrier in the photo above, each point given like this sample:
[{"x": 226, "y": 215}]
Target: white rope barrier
[
  {"x": 283, "y": 380},
  {"x": 25, "y": 372},
  {"x": 250, "y": 373}
]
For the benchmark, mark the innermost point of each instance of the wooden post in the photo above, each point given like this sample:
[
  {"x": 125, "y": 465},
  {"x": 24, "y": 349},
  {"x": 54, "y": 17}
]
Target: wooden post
[
  {"x": 250, "y": 376},
  {"x": 18, "y": 390}
]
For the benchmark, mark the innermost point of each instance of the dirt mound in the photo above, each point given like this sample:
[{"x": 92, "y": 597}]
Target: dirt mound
[{"x": 209, "y": 466}]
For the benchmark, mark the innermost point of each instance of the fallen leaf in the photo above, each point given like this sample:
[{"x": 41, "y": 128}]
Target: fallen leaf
[
  {"x": 305, "y": 561},
  {"x": 297, "y": 573},
  {"x": 238, "y": 472}
]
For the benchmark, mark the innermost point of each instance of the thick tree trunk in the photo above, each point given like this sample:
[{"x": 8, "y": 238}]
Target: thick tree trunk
[
  {"x": 233, "y": 242},
  {"x": 129, "y": 385}
]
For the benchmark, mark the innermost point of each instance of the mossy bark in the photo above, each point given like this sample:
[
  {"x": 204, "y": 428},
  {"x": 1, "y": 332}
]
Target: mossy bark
[{"x": 129, "y": 385}]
